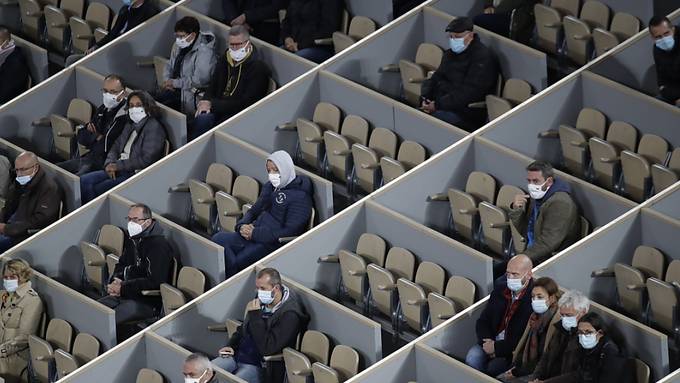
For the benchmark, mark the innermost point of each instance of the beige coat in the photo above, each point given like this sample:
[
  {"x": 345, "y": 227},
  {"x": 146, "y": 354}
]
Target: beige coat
[
  {"x": 517, "y": 355},
  {"x": 20, "y": 315}
]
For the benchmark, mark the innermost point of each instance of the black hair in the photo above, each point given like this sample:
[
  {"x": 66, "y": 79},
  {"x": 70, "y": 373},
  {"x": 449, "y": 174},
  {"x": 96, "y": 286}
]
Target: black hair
[
  {"x": 187, "y": 25},
  {"x": 541, "y": 166},
  {"x": 149, "y": 104}
]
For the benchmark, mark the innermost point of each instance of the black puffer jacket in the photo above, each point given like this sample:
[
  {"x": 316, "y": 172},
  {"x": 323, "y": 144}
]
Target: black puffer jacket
[
  {"x": 308, "y": 20},
  {"x": 110, "y": 124},
  {"x": 128, "y": 18},
  {"x": 668, "y": 70},
  {"x": 13, "y": 75},
  {"x": 602, "y": 364},
  {"x": 261, "y": 15}
]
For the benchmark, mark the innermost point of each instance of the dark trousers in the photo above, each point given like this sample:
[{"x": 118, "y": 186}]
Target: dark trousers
[
  {"x": 128, "y": 310},
  {"x": 80, "y": 166},
  {"x": 96, "y": 183},
  {"x": 201, "y": 124},
  {"x": 238, "y": 252}
]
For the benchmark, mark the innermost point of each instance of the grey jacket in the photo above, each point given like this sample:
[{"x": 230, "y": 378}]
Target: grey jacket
[
  {"x": 146, "y": 149},
  {"x": 197, "y": 69}
]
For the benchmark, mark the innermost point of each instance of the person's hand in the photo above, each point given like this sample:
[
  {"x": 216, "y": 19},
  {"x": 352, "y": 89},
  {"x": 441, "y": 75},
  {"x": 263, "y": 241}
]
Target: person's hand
[
  {"x": 507, "y": 375},
  {"x": 489, "y": 10},
  {"x": 246, "y": 231},
  {"x": 167, "y": 85},
  {"x": 520, "y": 201},
  {"x": 254, "y": 305},
  {"x": 113, "y": 288},
  {"x": 239, "y": 20},
  {"x": 203, "y": 107},
  {"x": 488, "y": 346},
  {"x": 90, "y": 49},
  {"x": 428, "y": 106},
  {"x": 226, "y": 352},
  {"x": 99, "y": 137},
  {"x": 2, "y": 228},
  {"x": 91, "y": 128},
  {"x": 111, "y": 170},
  {"x": 290, "y": 44}
]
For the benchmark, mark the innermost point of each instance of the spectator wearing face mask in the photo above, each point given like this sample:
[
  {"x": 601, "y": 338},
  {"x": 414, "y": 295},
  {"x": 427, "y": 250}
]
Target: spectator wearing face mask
[
  {"x": 666, "y": 58},
  {"x": 261, "y": 17},
  {"x": 504, "y": 319},
  {"x": 273, "y": 321},
  {"x": 33, "y": 202},
  {"x": 562, "y": 354},
  {"x": 98, "y": 135},
  {"x": 20, "y": 313},
  {"x": 141, "y": 143},
  {"x": 13, "y": 67},
  {"x": 548, "y": 216},
  {"x": 283, "y": 209},
  {"x": 145, "y": 264},
  {"x": 240, "y": 80},
  {"x": 198, "y": 369},
  {"x": 130, "y": 15},
  {"x": 307, "y": 21},
  {"x": 467, "y": 73},
  {"x": 497, "y": 16},
  {"x": 539, "y": 331},
  {"x": 191, "y": 64}
]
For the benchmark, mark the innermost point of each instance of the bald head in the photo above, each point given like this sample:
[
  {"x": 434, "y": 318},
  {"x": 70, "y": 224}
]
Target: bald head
[
  {"x": 26, "y": 164},
  {"x": 521, "y": 261},
  {"x": 519, "y": 267}
]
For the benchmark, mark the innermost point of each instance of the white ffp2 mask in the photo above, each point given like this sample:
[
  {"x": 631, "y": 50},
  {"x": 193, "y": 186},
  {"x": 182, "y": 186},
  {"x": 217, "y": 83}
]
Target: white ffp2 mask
[{"x": 137, "y": 114}]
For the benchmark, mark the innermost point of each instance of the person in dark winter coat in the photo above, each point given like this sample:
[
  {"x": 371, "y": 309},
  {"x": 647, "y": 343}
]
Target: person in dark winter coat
[
  {"x": 273, "y": 321},
  {"x": 467, "y": 73},
  {"x": 399, "y": 7},
  {"x": 666, "y": 58},
  {"x": 240, "y": 80},
  {"x": 33, "y": 202},
  {"x": 307, "y": 21},
  {"x": 502, "y": 323},
  {"x": 496, "y": 18},
  {"x": 146, "y": 263},
  {"x": 283, "y": 209},
  {"x": 198, "y": 369},
  {"x": 551, "y": 223},
  {"x": 130, "y": 15},
  {"x": 99, "y": 135},
  {"x": 14, "y": 72},
  {"x": 141, "y": 143},
  {"x": 261, "y": 17}
]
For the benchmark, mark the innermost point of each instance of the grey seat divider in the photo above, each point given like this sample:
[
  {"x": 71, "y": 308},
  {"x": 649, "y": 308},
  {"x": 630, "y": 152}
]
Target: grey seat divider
[
  {"x": 36, "y": 58},
  {"x": 670, "y": 205}
]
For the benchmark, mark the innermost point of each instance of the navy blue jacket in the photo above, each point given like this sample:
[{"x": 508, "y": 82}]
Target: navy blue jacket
[{"x": 280, "y": 213}]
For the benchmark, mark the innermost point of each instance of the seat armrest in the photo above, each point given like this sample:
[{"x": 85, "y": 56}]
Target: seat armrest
[
  {"x": 314, "y": 139},
  {"x": 417, "y": 302},
  {"x": 181, "y": 188},
  {"x": 328, "y": 259},
  {"x": 217, "y": 328},
  {"x": 205, "y": 201},
  {"x": 342, "y": 152},
  {"x": 146, "y": 63},
  {"x": 477, "y": 105},
  {"x": 286, "y": 126},
  {"x": 437, "y": 197},
  {"x": 66, "y": 134},
  {"x": 607, "y": 272},
  {"x": 608, "y": 160},
  {"x": 287, "y": 239},
  {"x": 326, "y": 41},
  {"x": 549, "y": 134},
  {"x": 151, "y": 293},
  {"x": 394, "y": 68},
  {"x": 273, "y": 358},
  {"x": 44, "y": 121},
  {"x": 416, "y": 80},
  {"x": 499, "y": 225},
  {"x": 370, "y": 166},
  {"x": 232, "y": 214},
  {"x": 471, "y": 211}
]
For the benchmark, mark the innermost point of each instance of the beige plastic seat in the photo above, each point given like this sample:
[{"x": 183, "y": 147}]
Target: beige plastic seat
[
  {"x": 310, "y": 133},
  {"x": 410, "y": 155},
  {"x": 665, "y": 176},
  {"x": 495, "y": 222},
  {"x": 459, "y": 295},
  {"x": 344, "y": 365},
  {"x": 574, "y": 141},
  {"x": 383, "y": 142},
  {"x": 110, "y": 241},
  {"x": 370, "y": 249},
  {"x": 218, "y": 178},
  {"x": 642, "y": 370},
  {"x": 605, "y": 154},
  {"x": 663, "y": 298},
  {"x": 97, "y": 15},
  {"x": 636, "y": 167},
  {"x": 85, "y": 349},
  {"x": 623, "y": 27},
  {"x": 414, "y": 73},
  {"x": 359, "y": 27},
  {"x": 430, "y": 278},
  {"x": 480, "y": 187},
  {"x": 382, "y": 281},
  {"x": 58, "y": 336},
  {"x": 338, "y": 146},
  {"x": 79, "y": 112},
  {"x": 230, "y": 206},
  {"x": 147, "y": 375},
  {"x": 100, "y": 33},
  {"x": 578, "y": 31},
  {"x": 190, "y": 284},
  {"x": 57, "y": 21},
  {"x": 315, "y": 347},
  {"x": 31, "y": 14},
  {"x": 549, "y": 22},
  {"x": 515, "y": 92}
]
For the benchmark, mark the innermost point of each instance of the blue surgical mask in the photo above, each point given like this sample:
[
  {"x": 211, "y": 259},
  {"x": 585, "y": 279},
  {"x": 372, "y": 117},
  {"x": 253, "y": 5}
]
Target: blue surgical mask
[
  {"x": 588, "y": 341},
  {"x": 457, "y": 44},
  {"x": 515, "y": 284},
  {"x": 127, "y": 2},
  {"x": 569, "y": 322},
  {"x": 23, "y": 180},
  {"x": 539, "y": 305},
  {"x": 665, "y": 43},
  {"x": 265, "y": 297}
]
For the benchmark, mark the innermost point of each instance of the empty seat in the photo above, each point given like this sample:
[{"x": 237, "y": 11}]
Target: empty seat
[
  {"x": 230, "y": 206},
  {"x": 58, "y": 336},
  {"x": 605, "y": 154},
  {"x": 665, "y": 176},
  {"x": 315, "y": 347},
  {"x": 147, "y": 375},
  {"x": 549, "y": 22},
  {"x": 495, "y": 222},
  {"x": 79, "y": 113},
  {"x": 354, "y": 130},
  {"x": 100, "y": 33},
  {"x": 414, "y": 73},
  {"x": 31, "y": 16},
  {"x": 85, "y": 349},
  {"x": 574, "y": 141},
  {"x": 636, "y": 167},
  {"x": 641, "y": 370},
  {"x": 359, "y": 27},
  {"x": 190, "y": 284},
  {"x": 57, "y": 21},
  {"x": 382, "y": 281},
  {"x": 623, "y": 27},
  {"x": 459, "y": 295},
  {"x": 344, "y": 365},
  {"x": 515, "y": 92},
  {"x": 383, "y": 142},
  {"x": 663, "y": 298},
  {"x": 370, "y": 249},
  {"x": 430, "y": 278},
  {"x": 97, "y": 15},
  {"x": 410, "y": 155},
  {"x": 96, "y": 271},
  {"x": 578, "y": 31}
]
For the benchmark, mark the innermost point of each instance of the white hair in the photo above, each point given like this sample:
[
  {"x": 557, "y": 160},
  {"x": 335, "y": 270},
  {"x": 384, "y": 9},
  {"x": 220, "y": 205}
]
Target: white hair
[
  {"x": 574, "y": 299},
  {"x": 201, "y": 361}
]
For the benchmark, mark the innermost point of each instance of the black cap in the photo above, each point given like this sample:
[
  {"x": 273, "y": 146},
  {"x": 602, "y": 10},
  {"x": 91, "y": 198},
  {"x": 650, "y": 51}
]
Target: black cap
[{"x": 459, "y": 24}]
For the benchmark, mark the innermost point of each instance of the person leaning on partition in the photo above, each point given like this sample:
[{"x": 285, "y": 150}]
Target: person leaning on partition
[
  {"x": 14, "y": 72},
  {"x": 666, "y": 58},
  {"x": 20, "y": 312}
]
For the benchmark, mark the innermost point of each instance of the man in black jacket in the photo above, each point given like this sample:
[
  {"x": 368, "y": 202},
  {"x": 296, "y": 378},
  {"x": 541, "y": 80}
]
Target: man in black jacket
[
  {"x": 504, "y": 319},
  {"x": 130, "y": 15},
  {"x": 99, "y": 134},
  {"x": 240, "y": 80},
  {"x": 307, "y": 21},
  {"x": 13, "y": 68},
  {"x": 33, "y": 202},
  {"x": 146, "y": 263},
  {"x": 273, "y": 321},
  {"x": 467, "y": 73},
  {"x": 261, "y": 17},
  {"x": 666, "y": 58}
]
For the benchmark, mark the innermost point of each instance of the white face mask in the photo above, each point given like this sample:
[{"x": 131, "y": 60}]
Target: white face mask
[
  {"x": 588, "y": 341},
  {"x": 134, "y": 228},
  {"x": 539, "y": 305},
  {"x": 195, "y": 380},
  {"x": 183, "y": 42},
  {"x": 569, "y": 322},
  {"x": 515, "y": 284},
  {"x": 536, "y": 191},
  {"x": 239, "y": 54},
  {"x": 275, "y": 179},
  {"x": 265, "y": 297},
  {"x": 10, "y": 285},
  {"x": 110, "y": 100},
  {"x": 137, "y": 114}
]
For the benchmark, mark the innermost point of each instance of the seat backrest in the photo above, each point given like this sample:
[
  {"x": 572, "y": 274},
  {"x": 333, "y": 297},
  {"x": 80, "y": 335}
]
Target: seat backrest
[
  {"x": 65, "y": 363},
  {"x": 653, "y": 148},
  {"x": 624, "y": 25},
  {"x": 327, "y": 116},
  {"x": 272, "y": 86},
  {"x": 85, "y": 348},
  {"x": 592, "y": 121},
  {"x": 622, "y": 135},
  {"x": 191, "y": 281},
  {"x": 506, "y": 196},
  {"x": 429, "y": 56},
  {"x": 79, "y": 111},
  {"x": 383, "y": 142},
  {"x": 59, "y": 334},
  {"x": 462, "y": 291},
  {"x": 673, "y": 271},
  {"x": 596, "y": 14},
  {"x": 325, "y": 374},
  {"x": 72, "y": 7},
  {"x": 482, "y": 186},
  {"x": 372, "y": 247},
  {"x": 316, "y": 346},
  {"x": 642, "y": 371},
  {"x": 246, "y": 189},
  {"x": 111, "y": 240},
  {"x": 431, "y": 277},
  {"x": 355, "y": 129},
  {"x": 649, "y": 260},
  {"x": 401, "y": 263},
  {"x": 566, "y": 7},
  {"x": 220, "y": 177},
  {"x": 516, "y": 90},
  {"x": 411, "y": 154},
  {"x": 360, "y": 27},
  {"x": 674, "y": 162},
  {"x": 147, "y": 375},
  {"x": 345, "y": 360},
  {"x": 98, "y": 15}
]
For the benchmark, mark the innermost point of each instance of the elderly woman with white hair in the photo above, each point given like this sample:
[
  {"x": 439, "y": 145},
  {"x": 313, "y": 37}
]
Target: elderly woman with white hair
[{"x": 283, "y": 209}]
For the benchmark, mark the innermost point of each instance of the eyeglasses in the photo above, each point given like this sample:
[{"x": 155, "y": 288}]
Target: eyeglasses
[
  {"x": 236, "y": 45},
  {"x": 135, "y": 219},
  {"x": 22, "y": 170}
]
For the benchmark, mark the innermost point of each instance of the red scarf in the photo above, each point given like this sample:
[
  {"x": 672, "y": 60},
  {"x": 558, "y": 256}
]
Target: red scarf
[{"x": 510, "y": 308}]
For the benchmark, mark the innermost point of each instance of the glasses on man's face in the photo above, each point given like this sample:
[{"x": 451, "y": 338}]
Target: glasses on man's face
[
  {"x": 24, "y": 170},
  {"x": 136, "y": 219}
]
